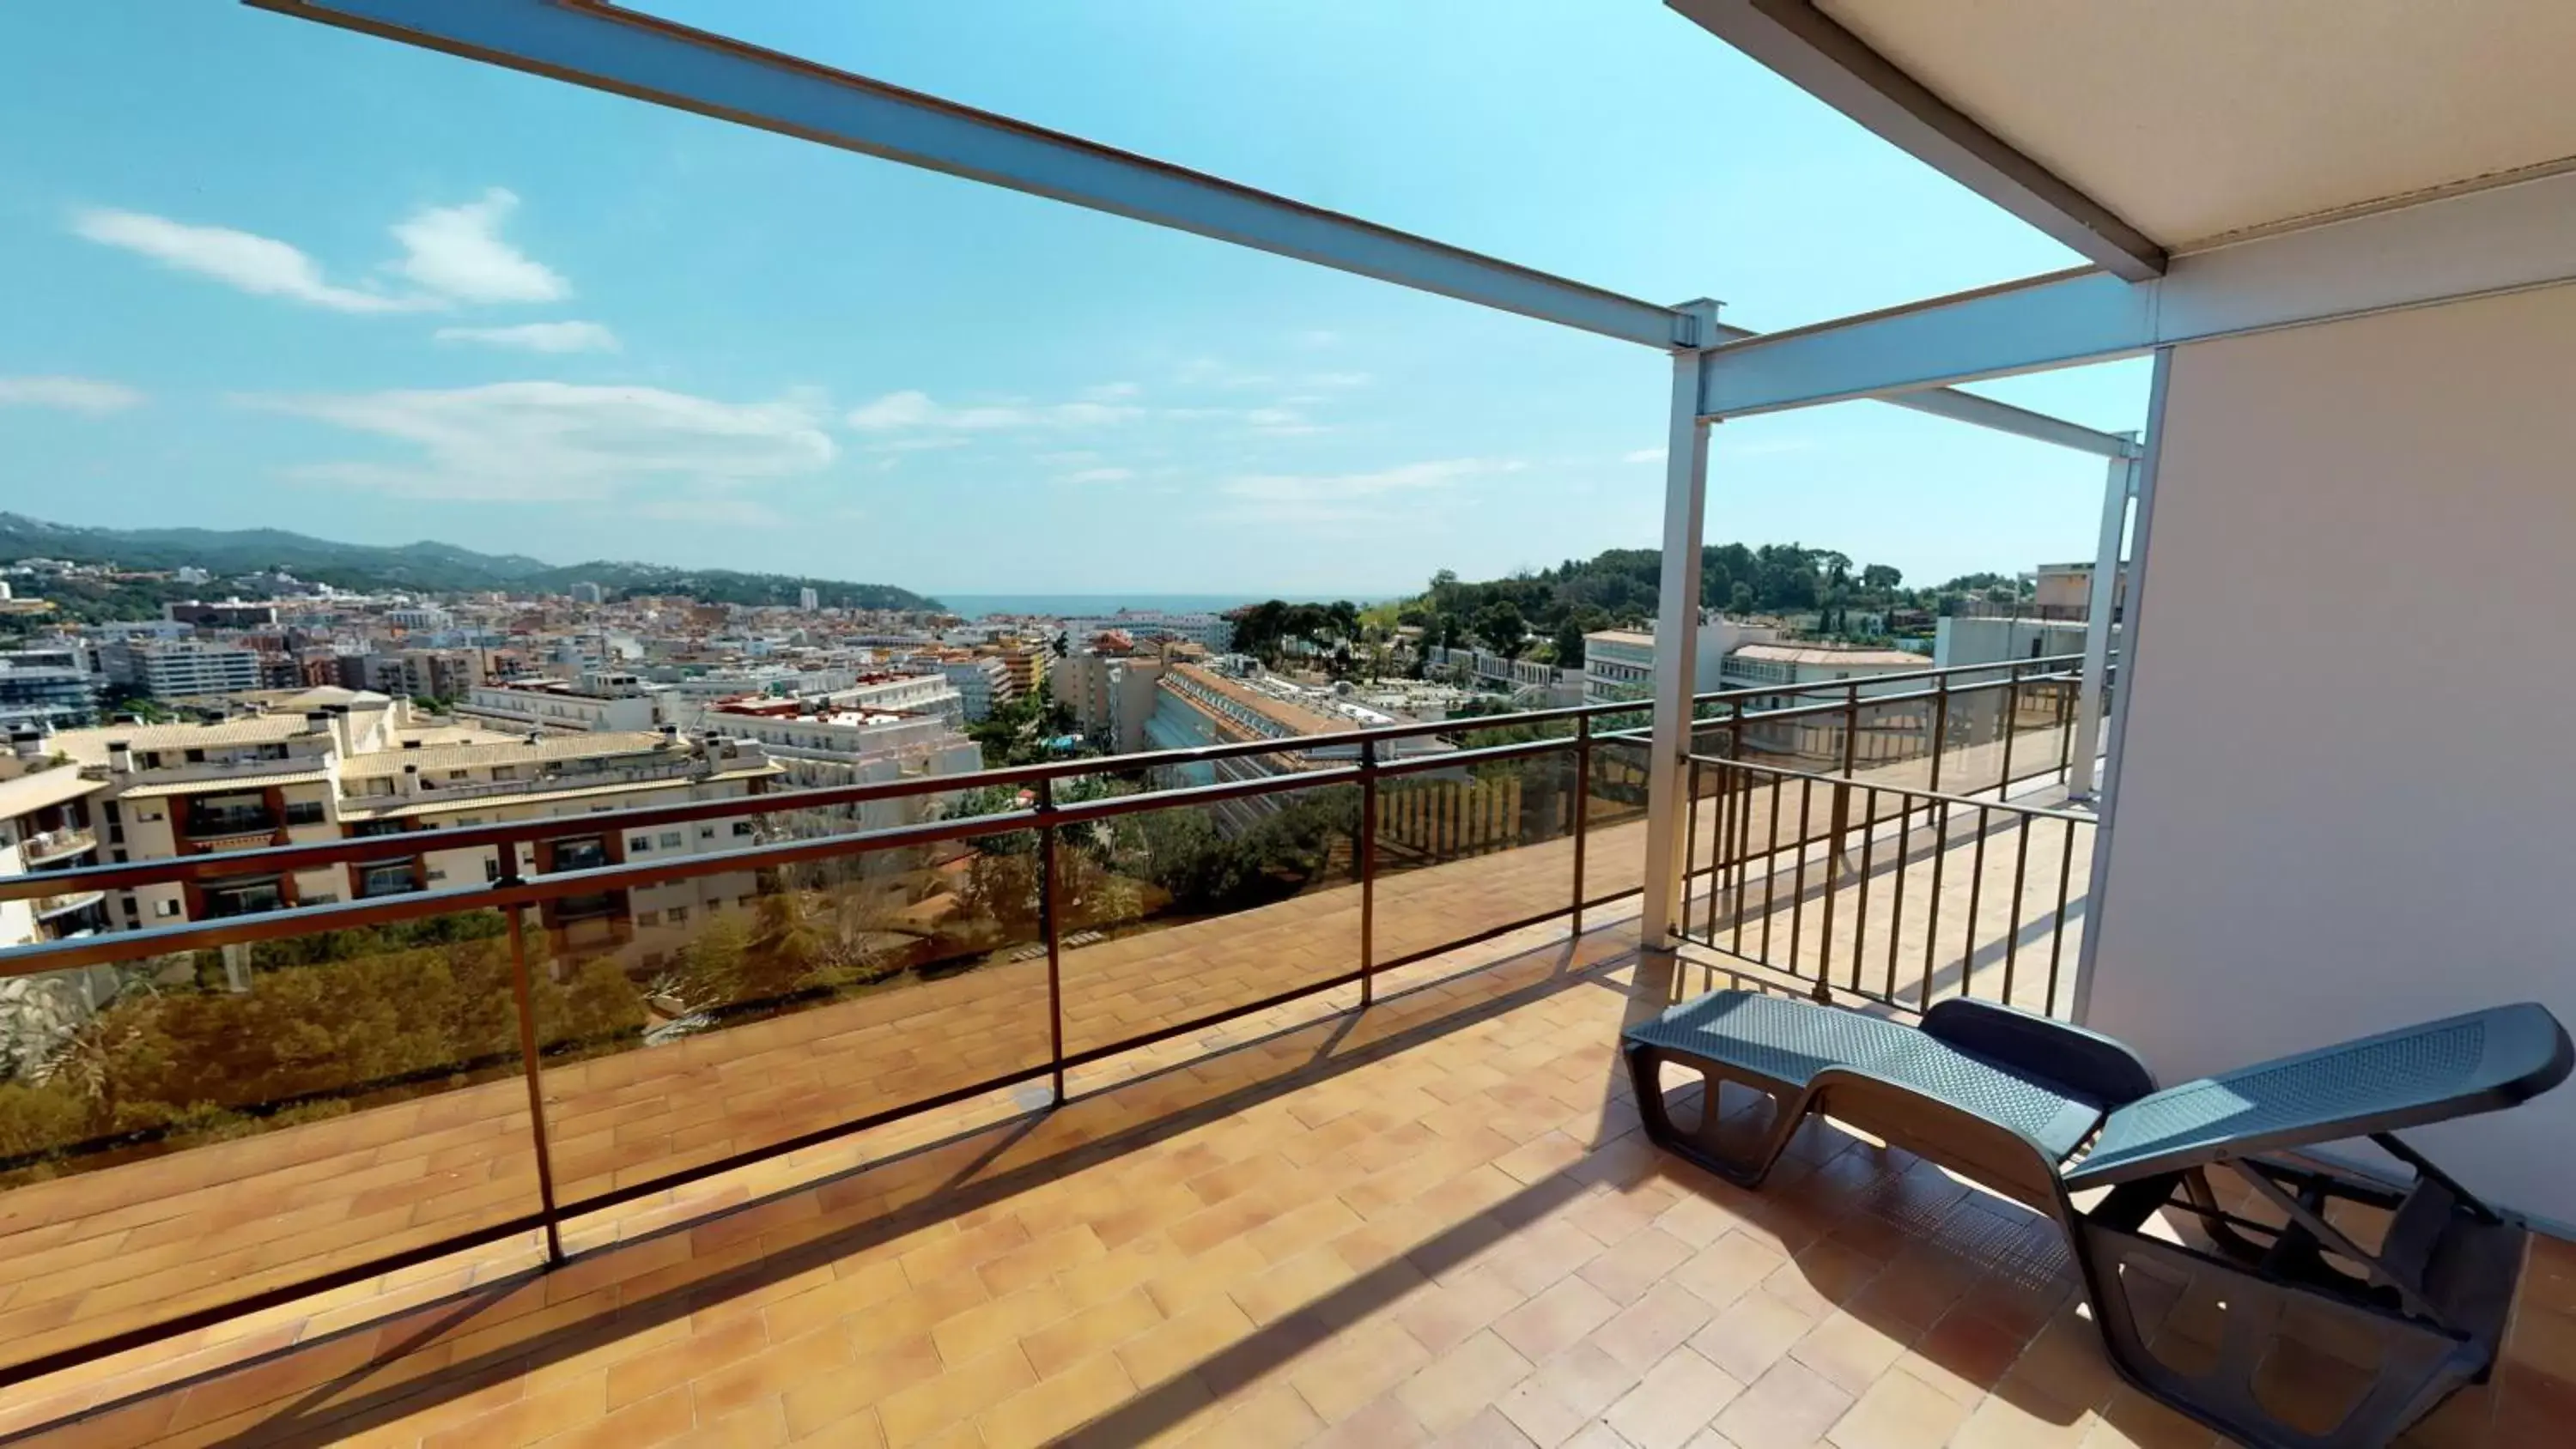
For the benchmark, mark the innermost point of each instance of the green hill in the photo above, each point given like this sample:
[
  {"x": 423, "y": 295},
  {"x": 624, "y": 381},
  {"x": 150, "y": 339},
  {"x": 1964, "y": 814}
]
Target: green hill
[{"x": 427, "y": 566}]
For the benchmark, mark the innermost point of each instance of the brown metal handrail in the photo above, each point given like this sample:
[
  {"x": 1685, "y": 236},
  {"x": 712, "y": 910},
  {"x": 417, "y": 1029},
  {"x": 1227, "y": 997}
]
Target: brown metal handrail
[{"x": 313, "y": 855}]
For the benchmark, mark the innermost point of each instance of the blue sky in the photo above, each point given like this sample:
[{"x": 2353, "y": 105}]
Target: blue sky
[{"x": 265, "y": 273}]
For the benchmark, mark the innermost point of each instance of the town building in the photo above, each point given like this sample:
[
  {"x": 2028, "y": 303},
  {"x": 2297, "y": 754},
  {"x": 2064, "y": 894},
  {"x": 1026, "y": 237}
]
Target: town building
[
  {"x": 1619, "y": 664},
  {"x": 982, "y": 682},
  {"x": 48, "y": 686},
  {"x": 178, "y": 668},
  {"x": 612, "y": 700}
]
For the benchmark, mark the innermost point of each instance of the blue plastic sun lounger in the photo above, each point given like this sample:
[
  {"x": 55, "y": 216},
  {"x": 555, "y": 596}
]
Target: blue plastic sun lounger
[{"x": 2045, "y": 1112}]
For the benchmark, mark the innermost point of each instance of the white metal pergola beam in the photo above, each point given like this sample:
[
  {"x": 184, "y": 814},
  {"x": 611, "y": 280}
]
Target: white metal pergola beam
[
  {"x": 1985, "y": 412},
  {"x": 1808, "y": 49},
  {"x": 649, "y": 59},
  {"x": 641, "y": 56},
  {"x": 2503, "y": 239}
]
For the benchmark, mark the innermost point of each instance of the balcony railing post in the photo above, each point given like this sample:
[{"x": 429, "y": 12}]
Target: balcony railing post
[
  {"x": 1368, "y": 873},
  {"x": 528, "y": 1061},
  {"x": 1582, "y": 811},
  {"x": 1051, "y": 922},
  {"x": 1851, "y": 731},
  {"x": 2012, "y": 713},
  {"x": 1940, "y": 729}
]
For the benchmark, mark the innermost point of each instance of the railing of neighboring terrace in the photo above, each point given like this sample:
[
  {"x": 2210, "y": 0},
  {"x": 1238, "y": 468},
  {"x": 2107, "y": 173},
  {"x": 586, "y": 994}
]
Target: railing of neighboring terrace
[
  {"x": 465, "y": 1064},
  {"x": 1872, "y": 845}
]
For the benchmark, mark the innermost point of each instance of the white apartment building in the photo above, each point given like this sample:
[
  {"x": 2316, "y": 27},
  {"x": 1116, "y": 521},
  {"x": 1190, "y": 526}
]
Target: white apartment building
[
  {"x": 1980, "y": 640},
  {"x": 606, "y": 700},
  {"x": 981, "y": 683},
  {"x": 173, "y": 668},
  {"x": 1619, "y": 664},
  {"x": 1791, "y": 667},
  {"x": 1544, "y": 685},
  {"x": 1213, "y": 631}
]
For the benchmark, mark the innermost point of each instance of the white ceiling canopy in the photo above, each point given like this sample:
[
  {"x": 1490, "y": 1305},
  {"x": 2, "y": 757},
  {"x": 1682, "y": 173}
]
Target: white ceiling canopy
[{"x": 2200, "y": 120}]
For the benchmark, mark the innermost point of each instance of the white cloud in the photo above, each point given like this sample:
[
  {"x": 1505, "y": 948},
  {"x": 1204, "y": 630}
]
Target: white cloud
[
  {"x": 1316, "y": 337},
  {"x": 538, "y": 336},
  {"x": 1643, "y": 455},
  {"x": 1280, "y": 422},
  {"x": 1343, "y": 497},
  {"x": 457, "y": 251},
  {"x": 256, "y": 264},
  {"x": 545, "y": 441},
  {"x": 1111, "y": 392},
  {"x": 912, "y": 410},
  {"x": 71, "y": 394},
  {"x": 1098, "y": 475}
]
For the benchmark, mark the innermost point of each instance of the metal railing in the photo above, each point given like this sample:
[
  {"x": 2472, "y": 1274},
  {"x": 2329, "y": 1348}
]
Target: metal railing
[
  {"x": 1842, "y": 877},
  {"x": 1601, "y": 746}
]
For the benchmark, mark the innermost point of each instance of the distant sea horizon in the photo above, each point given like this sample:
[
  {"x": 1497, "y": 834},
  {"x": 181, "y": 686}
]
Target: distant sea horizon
[{"x": 1063, "y": 606}]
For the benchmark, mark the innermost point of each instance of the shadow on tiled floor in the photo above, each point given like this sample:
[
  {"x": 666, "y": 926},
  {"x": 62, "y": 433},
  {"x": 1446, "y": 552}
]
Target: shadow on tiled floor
[{"x": 1433, "y": 1222}]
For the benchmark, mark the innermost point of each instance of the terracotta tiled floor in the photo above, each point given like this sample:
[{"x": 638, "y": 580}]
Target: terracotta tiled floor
[{"x": 1433, "y": 1222}]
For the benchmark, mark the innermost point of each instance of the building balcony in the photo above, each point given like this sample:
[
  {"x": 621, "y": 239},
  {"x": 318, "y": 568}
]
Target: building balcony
[
  {"x": 55, "y": 846},
  {"x": 47, "y": 908},
  {"x": 1355, "y": 1161}
]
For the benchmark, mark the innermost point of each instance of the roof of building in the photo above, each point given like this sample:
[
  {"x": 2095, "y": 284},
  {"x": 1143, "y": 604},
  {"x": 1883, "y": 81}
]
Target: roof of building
[
  {"x": 1296, "y": 717},
  {"x": 89, "y": 746},
  {"x": 542, "y": 749},
  {"x": 389, "y": 807},
  {"x": 26, "y": 794},
  {"x": 221, "y": 784},
  {"x": 323, "y": 696},
  {"x": 1833, "y": 658}
]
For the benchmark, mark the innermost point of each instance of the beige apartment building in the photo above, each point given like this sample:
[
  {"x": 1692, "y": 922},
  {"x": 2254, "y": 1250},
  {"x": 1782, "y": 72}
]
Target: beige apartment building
[{"x": 332, "y": 763}]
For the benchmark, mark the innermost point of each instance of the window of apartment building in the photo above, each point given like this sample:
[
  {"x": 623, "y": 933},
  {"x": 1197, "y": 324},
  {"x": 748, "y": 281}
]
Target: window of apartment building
[
  {"x": 744, "y": 900},
  {"x": 385, "y": 878},
  {"x": 505, "y": 772},
  {"x": 648, "y": 918},
  {"x": 165, "y": 908},
  {"x": 193, "y": 757},
  {"x": 706, "y": 832},
  {"x": 149, "y": 759},
  {"x": 322, "y": 898},
  {"x": 491, "y": 868},
  {"x": 679, "y": 915},
  {"x": 742, "y": 827},
  {"x": 671, "y": 840},
  {"x": 379, "y": 785},
  {"x": 248, "y": 897},
  {"x": 303, "y": 812},
  {"x": 635, "y": 843}
]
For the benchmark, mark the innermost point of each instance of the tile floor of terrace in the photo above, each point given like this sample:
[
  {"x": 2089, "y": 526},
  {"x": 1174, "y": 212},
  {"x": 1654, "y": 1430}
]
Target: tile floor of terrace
[{"x": 1432, "y": 1222}]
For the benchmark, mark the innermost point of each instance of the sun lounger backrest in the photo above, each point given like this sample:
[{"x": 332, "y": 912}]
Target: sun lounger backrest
[{"x": 2456, "y": 1067}]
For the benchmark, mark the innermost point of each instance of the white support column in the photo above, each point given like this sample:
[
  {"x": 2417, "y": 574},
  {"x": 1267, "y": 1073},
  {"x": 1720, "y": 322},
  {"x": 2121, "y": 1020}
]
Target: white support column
[
  {"x": 2117, "y": 488},
  {"x": 1676, "y": 652}
]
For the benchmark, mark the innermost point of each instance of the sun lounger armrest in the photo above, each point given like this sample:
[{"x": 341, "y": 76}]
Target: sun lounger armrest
[{"x": 2084, "y": 1063}]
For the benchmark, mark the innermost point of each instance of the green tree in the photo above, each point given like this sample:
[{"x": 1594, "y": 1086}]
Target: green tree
[{"x": 1501, "y": 628}]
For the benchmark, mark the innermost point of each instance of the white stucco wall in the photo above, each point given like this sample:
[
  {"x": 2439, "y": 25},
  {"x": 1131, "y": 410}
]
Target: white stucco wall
[{"x": 2348, "y": 799}]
